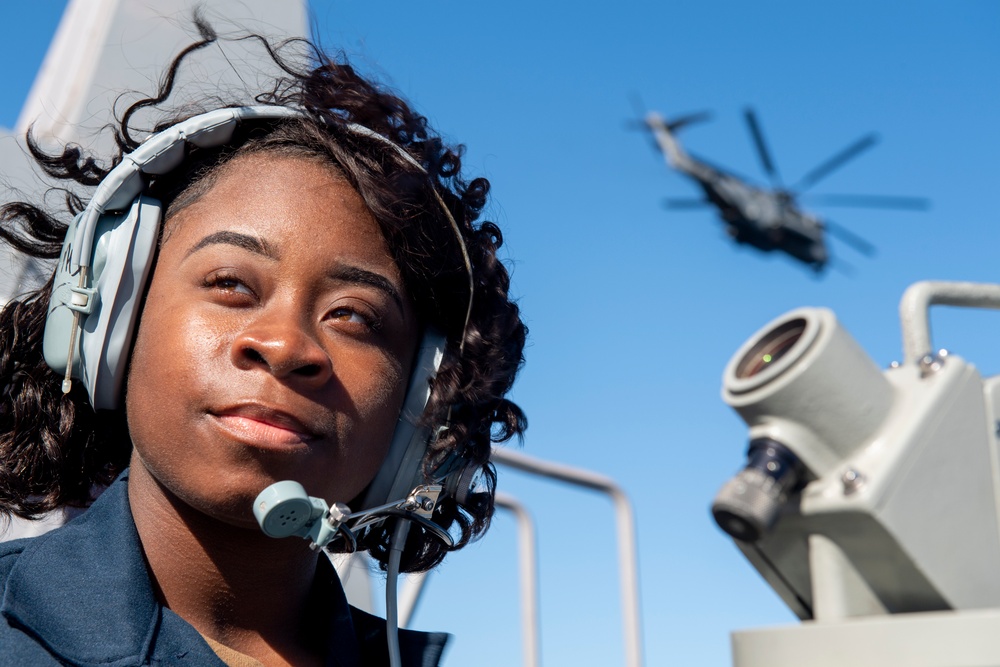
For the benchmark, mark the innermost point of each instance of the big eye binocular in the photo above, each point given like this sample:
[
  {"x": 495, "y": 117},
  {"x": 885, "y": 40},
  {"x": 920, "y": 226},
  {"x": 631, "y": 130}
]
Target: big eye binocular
[{"x": 868, "y": 494}]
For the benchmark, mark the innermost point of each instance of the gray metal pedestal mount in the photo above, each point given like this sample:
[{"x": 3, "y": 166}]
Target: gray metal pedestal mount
[
  {"x": 927, "y": 639},
  {"x": 870, "y": 501}
]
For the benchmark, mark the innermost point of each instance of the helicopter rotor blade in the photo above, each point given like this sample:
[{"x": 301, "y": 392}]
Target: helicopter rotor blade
[
  {"x": 872, "y": 201},
  {"x": 688, "y": 119},
  {"x": 835, "y": 162},
  {"x": 639, "y": 109},
  {"x": 842, "y": 267},
  {"x": 682, "y": 203},
  {"x": 850, "y": 238},
  {"x": 758, "y": 140}
]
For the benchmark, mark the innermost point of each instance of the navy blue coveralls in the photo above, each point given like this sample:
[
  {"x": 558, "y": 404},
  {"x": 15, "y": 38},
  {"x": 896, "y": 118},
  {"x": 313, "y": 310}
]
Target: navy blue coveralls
[{"x": 81, "y": 595}]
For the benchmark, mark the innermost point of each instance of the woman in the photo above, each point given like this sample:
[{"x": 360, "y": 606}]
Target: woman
[{"x": 302, "y": 265}]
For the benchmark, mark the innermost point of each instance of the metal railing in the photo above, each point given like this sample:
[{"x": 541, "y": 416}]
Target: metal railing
[{"x": 625, "y": 528}]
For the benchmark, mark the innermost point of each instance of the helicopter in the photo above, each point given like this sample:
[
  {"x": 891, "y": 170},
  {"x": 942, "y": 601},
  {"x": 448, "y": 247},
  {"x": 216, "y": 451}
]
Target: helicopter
[{"x": 769, "y": 219}]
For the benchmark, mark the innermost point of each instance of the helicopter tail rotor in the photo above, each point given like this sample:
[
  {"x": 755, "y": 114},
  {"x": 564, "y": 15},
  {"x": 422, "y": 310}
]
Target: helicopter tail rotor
[
  {"x": 644, "y": 119},
  {"x": 689, "y": 119}
]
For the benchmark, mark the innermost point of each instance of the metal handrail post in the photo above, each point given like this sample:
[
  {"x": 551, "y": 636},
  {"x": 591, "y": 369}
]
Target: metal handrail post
[
  {"x": 627, "y": 541},
  {"x": 528, "y": 565}
]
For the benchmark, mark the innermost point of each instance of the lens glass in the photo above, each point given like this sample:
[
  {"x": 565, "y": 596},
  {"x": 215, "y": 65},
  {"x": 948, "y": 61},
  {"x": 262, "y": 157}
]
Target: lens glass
[{"x": 772, "y": 346}]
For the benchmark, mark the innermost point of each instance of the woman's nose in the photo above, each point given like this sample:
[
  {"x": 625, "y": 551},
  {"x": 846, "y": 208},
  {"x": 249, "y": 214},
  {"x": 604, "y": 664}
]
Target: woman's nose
[{"x": 282, "y": 346}]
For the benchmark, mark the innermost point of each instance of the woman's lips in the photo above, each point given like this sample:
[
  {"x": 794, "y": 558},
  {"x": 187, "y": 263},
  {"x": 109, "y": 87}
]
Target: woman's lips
[{"x": 265, "y": 428}]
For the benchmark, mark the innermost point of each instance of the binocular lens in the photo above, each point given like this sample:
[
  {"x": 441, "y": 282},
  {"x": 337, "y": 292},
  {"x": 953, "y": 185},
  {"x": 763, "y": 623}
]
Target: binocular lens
[
  {"x": 772, "y": 346},
  {"x": 748, "y": 505}
]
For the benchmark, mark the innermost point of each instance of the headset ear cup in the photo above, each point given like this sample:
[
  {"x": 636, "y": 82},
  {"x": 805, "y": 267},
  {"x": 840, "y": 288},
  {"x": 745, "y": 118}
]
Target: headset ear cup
[
  {"x": 461, "y": 483},
  {"x": 402, "y": 469},
  {"x": 108, "y": 302}
]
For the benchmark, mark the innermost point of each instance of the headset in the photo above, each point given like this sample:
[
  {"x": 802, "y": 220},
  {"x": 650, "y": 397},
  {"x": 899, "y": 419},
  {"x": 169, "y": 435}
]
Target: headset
[{"x": 107, "y": 258}]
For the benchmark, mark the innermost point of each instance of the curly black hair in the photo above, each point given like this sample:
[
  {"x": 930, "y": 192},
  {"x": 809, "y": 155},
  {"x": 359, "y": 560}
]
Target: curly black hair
[{"x": 54, "y": 449}]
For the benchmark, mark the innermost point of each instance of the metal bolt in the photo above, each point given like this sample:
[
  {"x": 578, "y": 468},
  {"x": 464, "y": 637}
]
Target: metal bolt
[
  {"x": 338, "y": 512},
  {"x": 852, "y": 481},
  {"x": 427, "y": 504},
  {"x": 932, "y": 363}
]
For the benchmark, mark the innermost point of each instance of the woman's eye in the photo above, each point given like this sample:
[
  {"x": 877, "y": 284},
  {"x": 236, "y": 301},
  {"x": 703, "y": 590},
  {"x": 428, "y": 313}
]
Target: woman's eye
[
  {"x": 352, "y": 317},
  {"x": 229, "y": 284}
]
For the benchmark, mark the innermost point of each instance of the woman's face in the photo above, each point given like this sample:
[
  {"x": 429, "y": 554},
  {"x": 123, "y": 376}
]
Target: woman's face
[{"x": 275, "y": 342}]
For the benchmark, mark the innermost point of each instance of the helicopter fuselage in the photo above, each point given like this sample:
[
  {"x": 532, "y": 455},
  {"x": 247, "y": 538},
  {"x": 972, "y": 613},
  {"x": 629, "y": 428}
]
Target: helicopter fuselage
[{"x": 761, "y": 218}]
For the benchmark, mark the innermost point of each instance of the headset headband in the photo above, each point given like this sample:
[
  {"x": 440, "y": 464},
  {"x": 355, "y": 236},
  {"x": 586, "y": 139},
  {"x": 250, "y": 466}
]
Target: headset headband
[
  {"x": 120, "y": 192},
  {"x": 161, "y": 153}
]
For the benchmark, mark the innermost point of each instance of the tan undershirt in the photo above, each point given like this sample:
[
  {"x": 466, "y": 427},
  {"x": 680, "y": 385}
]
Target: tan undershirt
[{"x": 232, "y": 657}]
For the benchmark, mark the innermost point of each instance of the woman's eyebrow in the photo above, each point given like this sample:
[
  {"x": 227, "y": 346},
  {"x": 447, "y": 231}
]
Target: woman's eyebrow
[
  {"x": 353, "y": 274},
  {"x": 252, "y": 243}
]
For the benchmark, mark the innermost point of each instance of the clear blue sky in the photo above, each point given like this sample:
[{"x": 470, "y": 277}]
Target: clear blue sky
[{"x": 635, "y": 310}]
